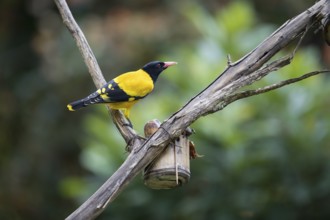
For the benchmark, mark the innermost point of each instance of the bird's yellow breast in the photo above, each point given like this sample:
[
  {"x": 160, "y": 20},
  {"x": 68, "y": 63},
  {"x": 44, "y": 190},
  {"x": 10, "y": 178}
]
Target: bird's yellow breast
[{"x": 137, "y": 83}]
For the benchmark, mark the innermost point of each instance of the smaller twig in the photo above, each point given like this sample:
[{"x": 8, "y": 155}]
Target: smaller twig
[
  {"x": 229, "y": 63},
  {"x": 303, "y": 34},
  {"x": 299, "y": 42},
  {"x": 268, "y": 68},
  {"x": 248, "y": 93},
  {"x": 256, "y": 75}
]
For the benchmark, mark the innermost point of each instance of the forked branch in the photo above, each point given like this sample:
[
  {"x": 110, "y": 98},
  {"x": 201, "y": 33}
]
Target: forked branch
[{"x": 215, "y": 97}]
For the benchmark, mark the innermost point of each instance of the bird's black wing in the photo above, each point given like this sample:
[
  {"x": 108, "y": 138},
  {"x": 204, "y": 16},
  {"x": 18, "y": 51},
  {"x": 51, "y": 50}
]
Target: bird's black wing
[{"x": 111, "y": 92}]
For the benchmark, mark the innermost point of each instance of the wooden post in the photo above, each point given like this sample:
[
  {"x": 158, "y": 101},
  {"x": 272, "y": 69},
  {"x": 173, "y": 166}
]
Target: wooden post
[{"x": 172, "y": 167}]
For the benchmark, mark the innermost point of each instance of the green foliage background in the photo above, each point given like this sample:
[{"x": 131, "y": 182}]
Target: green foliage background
[{"x": 265, "y": 157}]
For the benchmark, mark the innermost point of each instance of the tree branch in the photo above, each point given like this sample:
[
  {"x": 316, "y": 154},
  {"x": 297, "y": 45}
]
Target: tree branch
[
  {"x": 128, "y": 133},
  {"x": 215, "y": 97},
  {"x": 248, "y": 93}
]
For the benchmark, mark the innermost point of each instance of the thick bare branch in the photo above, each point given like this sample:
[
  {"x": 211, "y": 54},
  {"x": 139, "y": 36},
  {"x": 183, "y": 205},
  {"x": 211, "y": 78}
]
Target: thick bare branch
[{"x": 218, "y": 94}]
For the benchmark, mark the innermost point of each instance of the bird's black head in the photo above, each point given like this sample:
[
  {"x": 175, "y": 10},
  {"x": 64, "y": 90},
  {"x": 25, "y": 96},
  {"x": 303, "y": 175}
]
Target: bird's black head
[{"x": 156, "y": 67}]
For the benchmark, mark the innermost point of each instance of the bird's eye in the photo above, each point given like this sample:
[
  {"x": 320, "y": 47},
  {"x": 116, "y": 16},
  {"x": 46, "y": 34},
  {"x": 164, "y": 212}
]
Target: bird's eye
[{"x": 158, "y": 65}]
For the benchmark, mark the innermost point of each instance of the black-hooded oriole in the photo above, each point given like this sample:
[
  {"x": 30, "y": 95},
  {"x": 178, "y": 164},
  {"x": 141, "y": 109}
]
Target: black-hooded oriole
[{"x": 122, "y": 92}]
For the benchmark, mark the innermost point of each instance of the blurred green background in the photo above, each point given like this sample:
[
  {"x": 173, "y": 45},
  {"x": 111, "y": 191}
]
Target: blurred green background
[{"x": 266, "y": 157}]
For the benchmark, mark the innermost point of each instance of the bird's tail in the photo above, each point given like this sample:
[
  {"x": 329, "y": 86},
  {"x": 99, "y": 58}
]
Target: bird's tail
[{"x": 93, "y": 98}]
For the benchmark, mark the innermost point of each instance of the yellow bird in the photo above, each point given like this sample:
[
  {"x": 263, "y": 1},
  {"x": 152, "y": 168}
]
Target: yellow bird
[{"x": 122, "y": 92}]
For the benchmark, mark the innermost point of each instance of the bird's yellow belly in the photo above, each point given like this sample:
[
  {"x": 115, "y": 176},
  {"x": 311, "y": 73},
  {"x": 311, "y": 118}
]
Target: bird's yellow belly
[
  {"x": 125, "y": 106},
  {"x": 122, "y": 105}
]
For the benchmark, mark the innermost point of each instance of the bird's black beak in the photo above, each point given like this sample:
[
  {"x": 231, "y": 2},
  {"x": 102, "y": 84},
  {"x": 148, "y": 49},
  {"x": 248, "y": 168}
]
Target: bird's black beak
[{"x": 170, "y": 63}]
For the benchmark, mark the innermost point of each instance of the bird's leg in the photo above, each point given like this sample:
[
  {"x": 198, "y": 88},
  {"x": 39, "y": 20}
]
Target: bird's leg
[{"x": 126, "y": 113}]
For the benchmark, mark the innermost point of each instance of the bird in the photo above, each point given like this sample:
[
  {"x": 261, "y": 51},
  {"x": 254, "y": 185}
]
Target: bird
[{"x": 125, "y": 90}]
